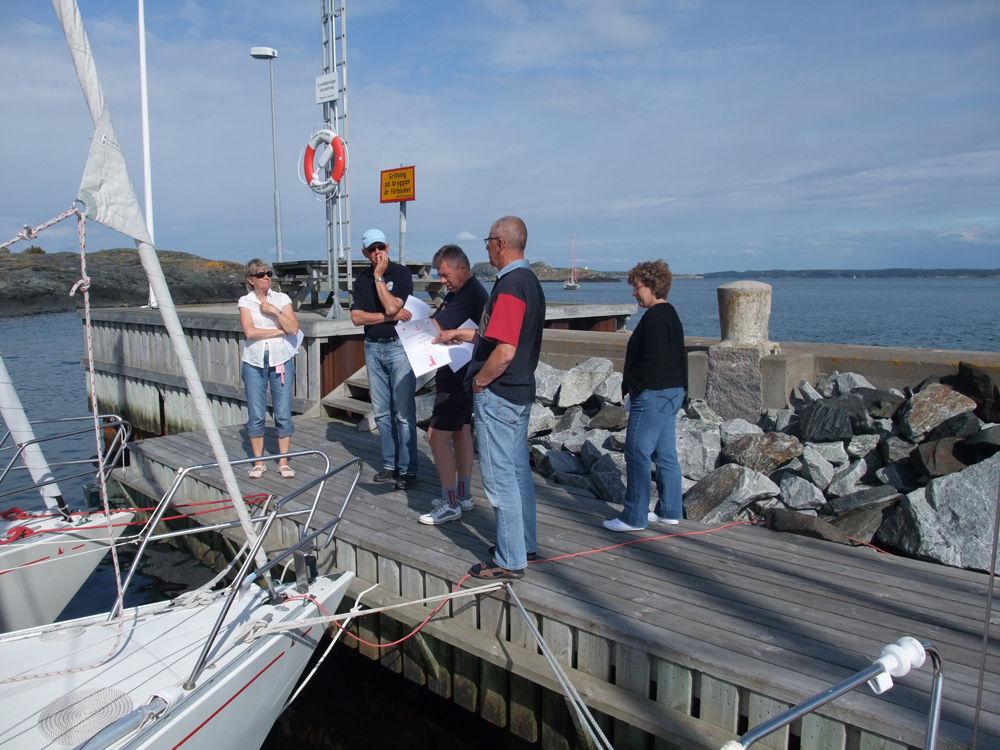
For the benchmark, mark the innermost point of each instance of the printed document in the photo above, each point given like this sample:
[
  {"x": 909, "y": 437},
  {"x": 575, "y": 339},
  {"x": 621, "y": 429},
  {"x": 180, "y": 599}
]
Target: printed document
[{"x": 417, "y": 335}]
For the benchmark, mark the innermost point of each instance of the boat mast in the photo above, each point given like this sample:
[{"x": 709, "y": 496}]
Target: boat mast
[
  {"x": 333, "y": 14},
  {"x": 17, "y": 422},
  {"x": 122, "y": 214},
  {"x": 572, "y": 253},
  {"x": 147, "y": 170}
]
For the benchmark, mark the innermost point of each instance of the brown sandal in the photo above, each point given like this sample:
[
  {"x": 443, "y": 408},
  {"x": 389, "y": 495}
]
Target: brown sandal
[{"x": 491, "y": 572}]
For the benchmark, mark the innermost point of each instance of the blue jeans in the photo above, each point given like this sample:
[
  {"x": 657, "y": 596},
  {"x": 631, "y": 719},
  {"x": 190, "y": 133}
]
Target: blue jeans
[
  {"x": 651, "y": 430},
  {"x": 392, "y": 385},
  {"x": 502, "y": 439},
  {"x": 255, "y": 382}
]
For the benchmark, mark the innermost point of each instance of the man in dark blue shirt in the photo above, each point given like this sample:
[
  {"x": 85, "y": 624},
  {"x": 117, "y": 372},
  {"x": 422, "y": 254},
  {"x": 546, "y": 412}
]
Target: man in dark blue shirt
[
  {"x": 379, "y": 295},
  {"x": 450, "y": 434}
]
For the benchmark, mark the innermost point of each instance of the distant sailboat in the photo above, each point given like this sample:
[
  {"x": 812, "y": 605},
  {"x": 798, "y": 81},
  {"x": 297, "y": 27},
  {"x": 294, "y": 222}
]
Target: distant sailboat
[{"x": 572, "y": 282}]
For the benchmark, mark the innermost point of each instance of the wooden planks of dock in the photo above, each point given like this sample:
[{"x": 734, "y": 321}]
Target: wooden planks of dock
[{"x": 687, "y": 635}]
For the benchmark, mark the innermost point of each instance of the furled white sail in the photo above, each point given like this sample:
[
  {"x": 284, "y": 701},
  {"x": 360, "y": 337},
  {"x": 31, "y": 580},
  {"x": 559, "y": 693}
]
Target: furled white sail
[
  {"x": 20, "y": 430},
  {"x": 110, "y": 199}
]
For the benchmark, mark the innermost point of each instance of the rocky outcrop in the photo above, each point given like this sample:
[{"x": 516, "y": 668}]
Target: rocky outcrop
[
  {"x": 40, "y": 282},
  {"x": 850, "y": 463}
]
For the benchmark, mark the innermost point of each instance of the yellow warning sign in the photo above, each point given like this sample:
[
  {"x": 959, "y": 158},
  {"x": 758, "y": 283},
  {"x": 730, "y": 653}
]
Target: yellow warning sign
[{"x": 398, "y": 185}]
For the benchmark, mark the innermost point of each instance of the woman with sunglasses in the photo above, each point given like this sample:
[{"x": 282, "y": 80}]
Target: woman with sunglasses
[{"x": 268, "y": 358}]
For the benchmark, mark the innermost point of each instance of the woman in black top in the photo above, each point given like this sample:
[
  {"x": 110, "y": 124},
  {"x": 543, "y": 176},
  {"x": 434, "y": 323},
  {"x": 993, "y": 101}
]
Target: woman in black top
[{"x": 654, "y": 383}]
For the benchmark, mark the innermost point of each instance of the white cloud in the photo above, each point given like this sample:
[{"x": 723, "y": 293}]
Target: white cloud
[{"x": 643, "y": 127}]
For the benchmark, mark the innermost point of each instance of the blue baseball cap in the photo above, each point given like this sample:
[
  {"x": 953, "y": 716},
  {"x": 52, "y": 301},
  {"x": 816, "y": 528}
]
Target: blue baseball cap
[{"x": 372, "y": 236}]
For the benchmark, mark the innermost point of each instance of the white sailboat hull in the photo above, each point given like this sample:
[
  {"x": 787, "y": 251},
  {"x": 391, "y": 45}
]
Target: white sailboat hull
[
  {"x": 39, "y": 574},
  {"x": 235, "y": 702}
]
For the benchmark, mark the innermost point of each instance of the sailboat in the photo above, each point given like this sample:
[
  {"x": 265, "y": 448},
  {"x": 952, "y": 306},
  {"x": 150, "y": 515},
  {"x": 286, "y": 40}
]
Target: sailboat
[
  {"x": 46, "y": 556},
  {"x": 572, "y": 282},
  {"x": 211, "y": 668}
]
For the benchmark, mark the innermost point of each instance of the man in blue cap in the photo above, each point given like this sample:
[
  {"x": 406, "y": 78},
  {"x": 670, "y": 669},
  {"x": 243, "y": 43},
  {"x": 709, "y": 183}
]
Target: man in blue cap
[{"x": 380, "y": 291}]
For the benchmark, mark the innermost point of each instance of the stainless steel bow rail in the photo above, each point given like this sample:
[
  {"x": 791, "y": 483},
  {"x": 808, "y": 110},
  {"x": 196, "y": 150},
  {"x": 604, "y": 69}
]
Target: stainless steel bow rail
[
  {"x": 112, "y": 454},
  {"x": 296, "y": 551},
  {"x": 147, "y": 534},
  {"x": 307, "y": 544},
  {"x": 896, "y": 660}
]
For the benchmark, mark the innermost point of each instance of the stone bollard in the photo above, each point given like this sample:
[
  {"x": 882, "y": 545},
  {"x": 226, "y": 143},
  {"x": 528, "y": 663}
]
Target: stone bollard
[
  {"x": 734, "y": 382},
  {"x": 744, "y": 311}
]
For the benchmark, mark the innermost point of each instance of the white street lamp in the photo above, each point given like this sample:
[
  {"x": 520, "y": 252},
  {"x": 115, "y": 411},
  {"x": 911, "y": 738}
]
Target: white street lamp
[{"x": 269, "y": 54}]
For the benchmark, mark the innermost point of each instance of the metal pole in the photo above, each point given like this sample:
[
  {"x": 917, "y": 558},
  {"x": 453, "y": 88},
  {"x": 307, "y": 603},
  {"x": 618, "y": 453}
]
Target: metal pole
[
  {"x": 402, "y": 233},
  {"x": 147, "y": 171},
  {"x": 274, "y": 155}
]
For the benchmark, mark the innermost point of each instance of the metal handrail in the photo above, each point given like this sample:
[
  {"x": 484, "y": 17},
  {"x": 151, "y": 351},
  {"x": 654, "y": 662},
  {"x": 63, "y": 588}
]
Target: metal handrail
[
  {"x": 146, "y": 535},
  {"x": 879, "y": 676},
  {"x": 111, "y": 455},
  {"x": 242, "y": 577}
]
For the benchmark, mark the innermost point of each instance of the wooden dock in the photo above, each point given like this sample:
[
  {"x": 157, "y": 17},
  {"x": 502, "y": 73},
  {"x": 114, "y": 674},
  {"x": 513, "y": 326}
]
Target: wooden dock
[{"x": 681, "y": 641}]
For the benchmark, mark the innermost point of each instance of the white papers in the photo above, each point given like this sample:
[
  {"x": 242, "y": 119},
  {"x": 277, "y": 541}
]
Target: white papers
[
  {"x": 294, "y": 341},
  {"x": 417, "y": 307},
  {"x": 417, "y": 334}
]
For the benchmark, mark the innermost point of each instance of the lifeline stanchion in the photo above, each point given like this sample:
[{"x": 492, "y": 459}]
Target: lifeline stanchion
[
  {"x": 896, "y": 660},
  {"x": 585, "y": 720}
]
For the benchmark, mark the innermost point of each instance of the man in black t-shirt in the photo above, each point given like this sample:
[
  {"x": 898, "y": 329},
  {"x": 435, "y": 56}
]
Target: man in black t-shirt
[
  {"x": 450, "y": 434},
  {"x": 379, "y": 295},
  {"x": 502, "y": 377}
]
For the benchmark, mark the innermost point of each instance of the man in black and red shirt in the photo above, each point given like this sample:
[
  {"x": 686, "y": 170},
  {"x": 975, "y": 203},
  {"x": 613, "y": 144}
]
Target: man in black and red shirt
[
  {"x": 502, "y": 377},
  {"x": 449, "y": 433}
]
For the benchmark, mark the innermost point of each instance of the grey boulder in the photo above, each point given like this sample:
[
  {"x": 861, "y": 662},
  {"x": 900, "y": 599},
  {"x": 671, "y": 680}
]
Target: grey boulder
[
  {"x": 725, "y": 492},
  {"x": 580, "y": 382},
  {"x": 929, "y": 408},
  {"x": 763, "y": 452}
]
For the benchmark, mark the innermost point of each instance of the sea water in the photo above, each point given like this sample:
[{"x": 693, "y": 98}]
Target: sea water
[{"x": 345, "y": 705}]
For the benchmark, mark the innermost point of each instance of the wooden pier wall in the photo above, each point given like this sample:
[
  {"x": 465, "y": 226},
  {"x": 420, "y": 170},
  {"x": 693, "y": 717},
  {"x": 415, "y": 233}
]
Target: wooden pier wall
[
  {"x": 681, "y": 642},
  {"x": 139, "y": 377}
]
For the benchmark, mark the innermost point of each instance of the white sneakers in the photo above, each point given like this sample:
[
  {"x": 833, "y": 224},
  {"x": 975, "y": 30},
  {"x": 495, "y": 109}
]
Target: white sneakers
[
  {"x": 653, "y": 518},
  {"x": 442, "y": 513},
  {"x": 616, "y": 524},
  {"x": 465, "y": 503}
]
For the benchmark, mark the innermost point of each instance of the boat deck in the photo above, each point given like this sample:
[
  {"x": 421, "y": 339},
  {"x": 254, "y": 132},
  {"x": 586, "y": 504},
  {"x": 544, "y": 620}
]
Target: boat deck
[{"x": 684, "y": 635}]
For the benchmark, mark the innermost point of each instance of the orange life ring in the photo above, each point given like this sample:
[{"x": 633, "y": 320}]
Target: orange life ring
[{"x": 317, "y": 182}]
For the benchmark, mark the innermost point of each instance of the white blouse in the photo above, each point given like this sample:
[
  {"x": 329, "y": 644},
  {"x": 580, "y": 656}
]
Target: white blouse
[{"x": 280, "y": 349}]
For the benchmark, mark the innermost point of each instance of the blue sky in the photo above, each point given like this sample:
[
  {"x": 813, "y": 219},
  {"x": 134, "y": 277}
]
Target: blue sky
[{"x": 714, "y": 135}]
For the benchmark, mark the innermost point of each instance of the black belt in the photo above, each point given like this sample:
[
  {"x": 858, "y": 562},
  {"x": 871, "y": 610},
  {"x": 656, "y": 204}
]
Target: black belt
[{"x": 382, "y": 339}]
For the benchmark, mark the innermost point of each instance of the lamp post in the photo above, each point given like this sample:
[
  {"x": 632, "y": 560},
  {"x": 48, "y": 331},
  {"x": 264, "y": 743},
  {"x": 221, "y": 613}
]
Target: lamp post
[{"x": 269, "y": 54}]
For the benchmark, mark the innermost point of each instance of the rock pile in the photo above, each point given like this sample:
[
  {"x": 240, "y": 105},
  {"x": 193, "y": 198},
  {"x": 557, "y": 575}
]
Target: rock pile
[{"x": 916, "y": 470}]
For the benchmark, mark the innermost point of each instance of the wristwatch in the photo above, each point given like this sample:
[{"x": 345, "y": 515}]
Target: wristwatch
[
  {"x": 475, "y": 382},
  {"x": 379, "y": 280}
]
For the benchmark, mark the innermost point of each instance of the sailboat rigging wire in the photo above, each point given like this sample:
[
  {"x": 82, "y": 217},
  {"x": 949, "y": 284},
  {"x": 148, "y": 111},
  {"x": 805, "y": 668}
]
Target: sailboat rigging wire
[
  {"x": 84, "y": 285},
  {"x": 30, "y": 233},
  {"x": 987, "y": 619},
  {"x": 329, "y": 648}
]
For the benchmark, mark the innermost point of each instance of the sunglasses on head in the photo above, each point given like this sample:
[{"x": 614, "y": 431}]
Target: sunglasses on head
[{"x": 262, "y": 274}]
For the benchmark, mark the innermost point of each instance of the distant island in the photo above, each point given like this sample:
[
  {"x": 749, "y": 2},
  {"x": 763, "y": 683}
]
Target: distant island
[
  {"x": 877, "y": 273},
  {"x": 34, "y": 281},
  {"x": 485, "y": 272}
]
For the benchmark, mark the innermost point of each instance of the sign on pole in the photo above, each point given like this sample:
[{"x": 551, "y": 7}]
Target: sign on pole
[
  {"x": 398, "y": 185},
  {"x": 327, "y": 88}
]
